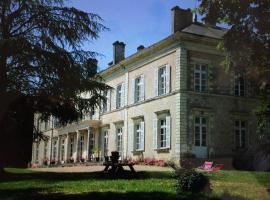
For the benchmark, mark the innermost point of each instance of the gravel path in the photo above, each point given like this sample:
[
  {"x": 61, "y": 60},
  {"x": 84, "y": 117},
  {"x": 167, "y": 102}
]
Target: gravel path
[{"x": 78, "y": 169}]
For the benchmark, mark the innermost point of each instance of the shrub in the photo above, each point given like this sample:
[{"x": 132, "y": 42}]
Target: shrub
[{"x": 188, "y": 180}]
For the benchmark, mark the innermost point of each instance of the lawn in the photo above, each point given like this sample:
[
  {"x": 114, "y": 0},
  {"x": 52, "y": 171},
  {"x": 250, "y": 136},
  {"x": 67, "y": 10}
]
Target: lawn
[{"x": 26, "y": 184}]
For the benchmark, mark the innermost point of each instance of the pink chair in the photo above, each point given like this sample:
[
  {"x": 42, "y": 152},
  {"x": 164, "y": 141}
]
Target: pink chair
[{"x": 207, "y": 166}]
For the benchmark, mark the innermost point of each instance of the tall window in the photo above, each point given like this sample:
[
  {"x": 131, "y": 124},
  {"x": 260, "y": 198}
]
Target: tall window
[
  {"x": 71, "y": 147},
  {"x": 106, "y": 140},
  {"x": 54, "y": 149},
  {"x": 119, "y": 140},
  {"x": 161, "y": 80},
  {"x": 162, "y": 132},
  {"x": 139, "y": 136},
  {"x": 91, "y": 141},
  {"x": 81, "y": 145},
  {"x": 37, "y": 151},
  {"x": 240, "y": 133},
  {"x": 138, "y": 89},
  {"x": 119, "y": 93},
  {"x": 200, "y": 131},
  {"x": 200, "y": 78},
  {"x": 106, "y": 102},
  {"x": 62, "y": 149},
  {"x": 239, "y": 86}
]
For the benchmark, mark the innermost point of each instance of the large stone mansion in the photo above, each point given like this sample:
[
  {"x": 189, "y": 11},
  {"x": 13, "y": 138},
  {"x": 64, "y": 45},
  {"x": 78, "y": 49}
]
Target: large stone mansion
[{"x": 169, "y": 101}]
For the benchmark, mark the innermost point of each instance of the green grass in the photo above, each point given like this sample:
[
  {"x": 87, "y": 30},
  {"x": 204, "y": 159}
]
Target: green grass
[{"x": 21, "y": 184}]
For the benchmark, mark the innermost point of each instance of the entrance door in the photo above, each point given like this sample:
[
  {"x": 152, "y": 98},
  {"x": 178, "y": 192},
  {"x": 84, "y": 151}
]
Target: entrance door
[{"x": 200, "y": 134}]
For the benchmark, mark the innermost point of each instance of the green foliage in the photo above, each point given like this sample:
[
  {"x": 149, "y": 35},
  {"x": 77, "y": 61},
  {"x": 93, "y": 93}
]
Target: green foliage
[
  {"x": 42, "y": 57},
  {"x": 188, "y": 180}
]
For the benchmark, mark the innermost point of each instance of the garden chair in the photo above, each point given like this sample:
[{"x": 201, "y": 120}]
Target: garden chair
[{"x": 207, "y": 166}]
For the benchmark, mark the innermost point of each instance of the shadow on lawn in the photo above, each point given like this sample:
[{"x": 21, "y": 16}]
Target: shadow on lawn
[
  {"x": 52, "y": 176},
  {"x": 38, "y": 194}
]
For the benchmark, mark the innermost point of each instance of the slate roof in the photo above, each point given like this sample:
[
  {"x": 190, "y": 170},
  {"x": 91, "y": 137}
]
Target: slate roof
[{"x": 205, "y": 30}]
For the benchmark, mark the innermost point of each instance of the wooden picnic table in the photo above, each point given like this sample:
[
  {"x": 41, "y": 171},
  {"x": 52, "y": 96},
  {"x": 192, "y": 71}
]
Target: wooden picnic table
[{"x": 117, "y": 167}]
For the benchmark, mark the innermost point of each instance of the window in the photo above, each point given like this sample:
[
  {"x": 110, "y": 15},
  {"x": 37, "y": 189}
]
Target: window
[
  {"x": 37, "y": 151},
  {"x": 81, "y": 145},
  {"x": 71, "y": 147},
  {"x": 119, "y": 132},
  {"x": 54, "y": 149},
  {"x": 240, "y": 133},
  {"x": 119, "y": 94},
  {"x": 239, "y": 86},
  {"x": 46, "y": 125},
  {"x": 161, "y": 80},
  {"x": 139, "y": 89},
  {"x": 62, "y": 149},
  {"x": 91, "y": 141},
  {"x": 200, "y": 130},
  {"x": 139, "y": 136},
  {"x": 200, "y": 78},
  {"x": 106, "y": 140},
  {"x": 162, "y": 132},
  {"x": 106, "y": 103},
  {"x": 92, "y": 112}
]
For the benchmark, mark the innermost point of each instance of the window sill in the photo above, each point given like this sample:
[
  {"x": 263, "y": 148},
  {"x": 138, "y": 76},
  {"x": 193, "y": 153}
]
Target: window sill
[
  {"x": 163, "y": 150},
  {"x": 137, "y": 152}
]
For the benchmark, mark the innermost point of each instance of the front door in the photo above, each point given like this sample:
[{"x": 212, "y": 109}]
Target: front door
[{"x": 200, "y": 134}]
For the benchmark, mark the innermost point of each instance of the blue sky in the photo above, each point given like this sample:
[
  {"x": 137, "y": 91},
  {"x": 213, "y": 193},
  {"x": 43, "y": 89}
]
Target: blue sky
[{"x": 134, "y": 22}]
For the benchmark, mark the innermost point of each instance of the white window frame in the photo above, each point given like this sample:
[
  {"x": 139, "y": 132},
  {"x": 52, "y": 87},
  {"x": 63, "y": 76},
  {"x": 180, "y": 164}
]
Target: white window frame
[
  {"x": 239, "y": 144},
  {"x": 106, "y": 142},
  {"x": 45, "y": 149},
  {"x": 119, "y": 140},
  {"x": 198, "y": 87},
  {"x": 138, "y": 89},
  {"x": 119, "y": 93},
  {"x": 201, "y": 125},
  {"x": 62, "y": 149},
  {"x": 239, "y": 86},
  {"x": 55, "y": 149},
  {"x": 162, "y": 86},
  {"x": 138, "y": 130},
  {"x": 37, "y": 152},
  {"x": 91, "y": 142},
  {"x": 162, "y": 132},
  {"x": 71, "y": 150},
  {"x": 81, "y": 146}
]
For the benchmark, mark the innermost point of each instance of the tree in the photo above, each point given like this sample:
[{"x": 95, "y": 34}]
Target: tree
[
  {"x": 43, "y": 66},
  {"x": 247, "y": 43}
]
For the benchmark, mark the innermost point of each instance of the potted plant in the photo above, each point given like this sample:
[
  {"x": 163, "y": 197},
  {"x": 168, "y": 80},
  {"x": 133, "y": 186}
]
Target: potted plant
[
  {"x": 71, "y": 160},
  {"x": 82, "y": 159}
]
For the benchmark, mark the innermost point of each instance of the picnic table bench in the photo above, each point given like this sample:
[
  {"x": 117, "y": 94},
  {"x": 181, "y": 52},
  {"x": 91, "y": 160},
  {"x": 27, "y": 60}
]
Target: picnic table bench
[{"x": 117, "y": 167}]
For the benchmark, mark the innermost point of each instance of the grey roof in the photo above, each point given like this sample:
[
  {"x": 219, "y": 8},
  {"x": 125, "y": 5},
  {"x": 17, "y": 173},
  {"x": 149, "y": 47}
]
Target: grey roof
[{"x": 205, "y": 30}]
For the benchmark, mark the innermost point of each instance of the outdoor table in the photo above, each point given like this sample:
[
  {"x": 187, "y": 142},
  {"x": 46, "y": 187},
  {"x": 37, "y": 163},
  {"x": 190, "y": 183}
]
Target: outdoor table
[{"x": 117, "y": 167}]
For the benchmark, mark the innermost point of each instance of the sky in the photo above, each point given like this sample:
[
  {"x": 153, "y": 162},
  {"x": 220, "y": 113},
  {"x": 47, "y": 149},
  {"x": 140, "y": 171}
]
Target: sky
[{"x": 134, "y": 22}]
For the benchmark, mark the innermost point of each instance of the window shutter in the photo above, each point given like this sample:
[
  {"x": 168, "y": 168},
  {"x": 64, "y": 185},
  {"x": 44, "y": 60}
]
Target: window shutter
[
  {"x": 131, "y": 137},
  {"x": 168, "y": 78},
  {"x": 155, "y": 123},
  {"x": 109, "y": 100},
  {"x": 113, "y": 99},
  {"x": 156, "y": 82},
  {"x": 133, "y": 91},
  {"x": 123, "y": 95},
  {"x": 168, "y": 131},
  {"x": 142, "y": 88},
  {"x": 101, "y": 142},
  {"x": 142, "y": 136}
]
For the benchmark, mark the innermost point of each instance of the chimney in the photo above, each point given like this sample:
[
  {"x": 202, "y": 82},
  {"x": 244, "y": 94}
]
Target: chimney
[
  {"x": 181, "y": 18},
  {"x": 139, "y": 48},
  {"x": 118, "y": 52}
]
